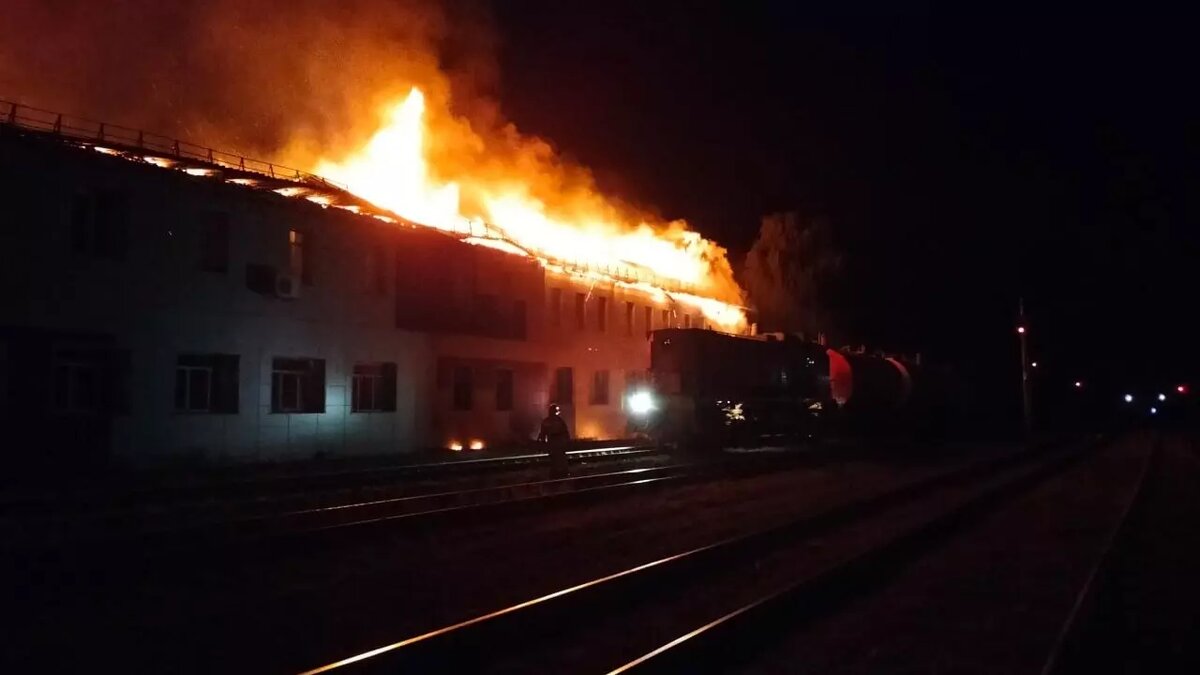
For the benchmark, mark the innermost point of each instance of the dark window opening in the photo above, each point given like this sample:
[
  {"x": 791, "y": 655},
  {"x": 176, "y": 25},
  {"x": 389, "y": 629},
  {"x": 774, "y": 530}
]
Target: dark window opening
[
  {"x": 463, "y": 388},
  {"x": 555, "y": 306},
  {"x": 648, "y": 317},
  {"x": 628, "y": 319},
  {"x": 599, "y": 394},
  {"x": 206, "y": 383},
  {"x": 564, "y": 386},
  {"x": 376, "y": 270},
  {"x": 601, "y": 314},
  {"x": 297, "y": 385},
  {"x": 504, "y": 389},
  {"x": 100, "y": 224},
  {"x": 666, "y": 318},
  {"x": 214, "y": 242},
  {"x": 485, "y": 312},
  {"x": 373, "y": 387},
  {"x": 687, "y": 320},
  {"x": 518, "y": 319},
  {"x": 580, "y": 311},
  {"x": 91, "y": 380}
]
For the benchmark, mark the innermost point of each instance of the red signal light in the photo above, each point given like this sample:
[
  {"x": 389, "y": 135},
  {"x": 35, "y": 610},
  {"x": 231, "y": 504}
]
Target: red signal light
[{"x": 1181, "y": 389}]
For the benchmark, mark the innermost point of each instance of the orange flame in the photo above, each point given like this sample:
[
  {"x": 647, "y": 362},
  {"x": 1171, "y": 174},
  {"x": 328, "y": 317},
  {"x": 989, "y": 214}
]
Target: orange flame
[{"x": 393, "y": 171}]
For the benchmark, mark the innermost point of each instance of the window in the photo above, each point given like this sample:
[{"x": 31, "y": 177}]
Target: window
[
  {"x": 687, "y": 320},
  {"x": 564, "y": 386},
  {"x": 628, "y": 319},
  {"x": 77, "y": 383},
  {"x": 601, "y": 314},
  {"x": 556, "y": 306},
  {"x": 504, "y": 389},
  {"x": 373, "y": 387},
  {"x": 518, "y": 319},
  {"x": 666, "y": 318},
  {"x": 648, "y": 317},
  {"x": 376, "y": 270},
  {"x": 206, "y": 383},
  {"x": 462, "y": 388},
  {"x": 91, "y": 380},
  {"x": 100, "y": 224},
  {"x": 580, "y": 311},
  {"x": 300, "y": 256},
  {"x": 214, "y": 242},
  {"x": 485, "y": 311},
  {"x": 297, "y": 385},
  {"x": 599, "y": 394}
]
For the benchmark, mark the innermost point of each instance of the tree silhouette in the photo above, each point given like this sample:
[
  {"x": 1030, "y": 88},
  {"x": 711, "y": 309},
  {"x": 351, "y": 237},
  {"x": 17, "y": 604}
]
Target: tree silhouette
[{"x": 790, "y": 273}]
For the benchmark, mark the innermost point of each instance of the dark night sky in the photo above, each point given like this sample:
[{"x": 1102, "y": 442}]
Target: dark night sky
[{"x": 963, "y": 158}]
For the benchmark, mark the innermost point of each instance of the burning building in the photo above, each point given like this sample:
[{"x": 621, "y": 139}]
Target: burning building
[{"x": 166, "y": 301}]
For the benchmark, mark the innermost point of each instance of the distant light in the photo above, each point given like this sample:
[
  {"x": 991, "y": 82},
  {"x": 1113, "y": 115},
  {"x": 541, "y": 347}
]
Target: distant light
[
  {"x": 1078, "y": 384},
  {"x": 1154, "y": 411},
  {"x": 1021, "y": 330},
  {"x": 455, "y": 446},
  {"x": 476, "y": 445},
  {"x": 1034, "y": 364},
  {"x": 641, "y": 402},
  {"x": 1162, "y": 397},
  {"x": 1129, "y": 398},
  {"x": 1181, "y": 389}
]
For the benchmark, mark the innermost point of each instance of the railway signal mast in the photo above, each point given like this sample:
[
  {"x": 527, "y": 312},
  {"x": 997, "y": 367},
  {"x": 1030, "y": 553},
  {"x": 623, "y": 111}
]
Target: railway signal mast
[{"x": 1026, "y": 392}]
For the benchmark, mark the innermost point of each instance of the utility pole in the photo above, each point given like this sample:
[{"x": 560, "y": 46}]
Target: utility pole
[{"x": 1026, "y": 388}]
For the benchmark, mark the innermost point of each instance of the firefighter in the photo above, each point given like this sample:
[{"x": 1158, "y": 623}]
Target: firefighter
[{"x": 555, "y": 434}]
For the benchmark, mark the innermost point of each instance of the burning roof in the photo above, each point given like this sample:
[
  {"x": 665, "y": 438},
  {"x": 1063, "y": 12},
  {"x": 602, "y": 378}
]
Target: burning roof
[{"x": 390, "y": 179}]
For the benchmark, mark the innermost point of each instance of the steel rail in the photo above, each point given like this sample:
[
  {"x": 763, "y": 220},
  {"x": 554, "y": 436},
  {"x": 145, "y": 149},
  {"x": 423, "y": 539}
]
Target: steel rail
[{"x": 435, "y": 648}]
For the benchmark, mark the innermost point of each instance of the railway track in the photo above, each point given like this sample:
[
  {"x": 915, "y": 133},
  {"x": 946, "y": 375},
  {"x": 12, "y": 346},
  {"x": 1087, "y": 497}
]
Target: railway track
[
  {"x": 118, "y": 499},
  {"x": 348, "y": 520},
  {"x": 559, "y": 631}
]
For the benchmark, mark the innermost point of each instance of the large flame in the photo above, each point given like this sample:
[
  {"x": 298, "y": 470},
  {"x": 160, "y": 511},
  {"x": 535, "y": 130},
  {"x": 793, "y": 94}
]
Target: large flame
[{"x": 580, "y": 230}]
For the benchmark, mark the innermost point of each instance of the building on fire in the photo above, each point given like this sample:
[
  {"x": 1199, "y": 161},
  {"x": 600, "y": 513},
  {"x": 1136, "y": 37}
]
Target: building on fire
[{"x": 162, "y": 302}]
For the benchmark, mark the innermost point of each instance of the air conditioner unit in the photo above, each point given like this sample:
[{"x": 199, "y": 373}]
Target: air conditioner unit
[{"x": 287, "y": 287}]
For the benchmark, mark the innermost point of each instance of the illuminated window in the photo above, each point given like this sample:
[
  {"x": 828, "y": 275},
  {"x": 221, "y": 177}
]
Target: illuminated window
[
  {"x": 599, "y": 393},
  {"x": 297, "y": 385},
  {"x": 299, "y": 256},
  {"x": 504, "y": 389},
  {"x": 206, "y": 383},
  {"x": 373, "y": 387},
  {"x": 463, "y": 388},
  {"x": 564, "y": 386},
  {"x": 214, "y": 242}
]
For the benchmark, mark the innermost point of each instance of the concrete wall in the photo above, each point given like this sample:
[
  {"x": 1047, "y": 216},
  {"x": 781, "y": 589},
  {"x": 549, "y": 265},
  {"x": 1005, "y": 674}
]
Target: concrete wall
[
  {"x": 441, "y": 304},
  {"x": 157, "y": 303}
]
